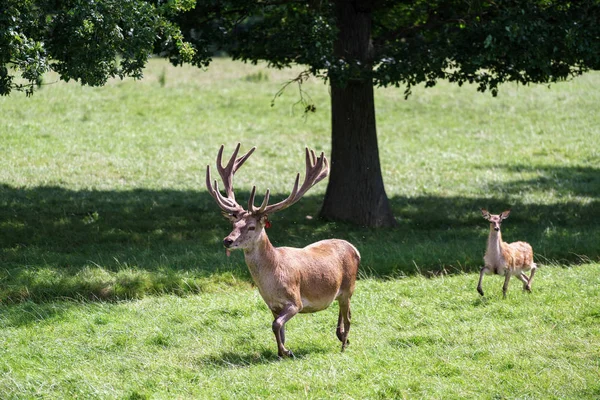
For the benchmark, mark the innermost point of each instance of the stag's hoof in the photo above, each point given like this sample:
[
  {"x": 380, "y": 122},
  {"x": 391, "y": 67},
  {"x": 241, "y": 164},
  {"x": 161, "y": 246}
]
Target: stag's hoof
[
  {"x": 286, "y": 353},
  {"x": 480, "y": 291},
  {"x": 345, "y": 344}
]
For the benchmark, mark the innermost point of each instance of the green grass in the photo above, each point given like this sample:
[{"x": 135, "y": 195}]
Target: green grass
[
  {"x": 413, "y": 337},
  {"x": 114, "y": 283},
  {"x": 102, "y": 189}
]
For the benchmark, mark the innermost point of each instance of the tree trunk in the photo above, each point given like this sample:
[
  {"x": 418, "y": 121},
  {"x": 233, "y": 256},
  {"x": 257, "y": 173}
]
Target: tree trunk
[{"x": 355, "y": 191}]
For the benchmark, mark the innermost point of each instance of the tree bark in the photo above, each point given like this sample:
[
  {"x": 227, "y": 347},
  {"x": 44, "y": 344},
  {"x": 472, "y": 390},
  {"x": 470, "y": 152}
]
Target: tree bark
[{"x": 355, "y": 191}]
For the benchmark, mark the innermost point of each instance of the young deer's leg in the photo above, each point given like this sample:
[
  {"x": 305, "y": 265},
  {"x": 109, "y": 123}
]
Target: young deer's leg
[
  {"x": 279, "y": 326},
  {"x": 483, "y": 271},
  {"x": 506, "y": 279},
  {"x": 533, "y": 268},
  {"x": 525, "y": 280},
  {"x": 344, "y": 317}
]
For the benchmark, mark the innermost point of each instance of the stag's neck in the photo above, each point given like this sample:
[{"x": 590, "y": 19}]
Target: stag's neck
[
  {"x": 261, "y": 256},
  {"x": 494, "y": 244}
]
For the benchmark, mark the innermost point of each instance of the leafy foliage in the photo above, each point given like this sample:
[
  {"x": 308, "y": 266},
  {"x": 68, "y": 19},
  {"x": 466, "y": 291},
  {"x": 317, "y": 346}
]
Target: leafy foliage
[
  {"x": 488, "y": 43},
  {"x": 484, "y": 42},
  {"x": 88, "y": 41}
]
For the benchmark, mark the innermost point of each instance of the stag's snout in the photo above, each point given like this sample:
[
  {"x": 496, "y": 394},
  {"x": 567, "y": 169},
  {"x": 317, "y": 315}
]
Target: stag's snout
[
  {"x": 227, "y": 242},
  {"x": 496, "y": 228}
]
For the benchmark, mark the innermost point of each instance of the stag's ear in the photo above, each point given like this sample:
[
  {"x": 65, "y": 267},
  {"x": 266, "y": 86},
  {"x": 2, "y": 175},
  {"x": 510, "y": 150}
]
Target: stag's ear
[
  {"x": 264, "y": 220},
  {"x": 485, "y": 213},
  {"x": 505, "y": 214}
]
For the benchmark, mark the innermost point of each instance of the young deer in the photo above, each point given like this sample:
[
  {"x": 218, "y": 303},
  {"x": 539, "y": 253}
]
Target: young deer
[
  {"x": 506, "y": 258},
  {"x": 290, "y": 280}
]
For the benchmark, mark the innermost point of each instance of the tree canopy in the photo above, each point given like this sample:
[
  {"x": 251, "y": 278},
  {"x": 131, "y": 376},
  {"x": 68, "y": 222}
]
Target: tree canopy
[
  {"x": 486, "y": 42},
  {"x": 347, "y": 42}
]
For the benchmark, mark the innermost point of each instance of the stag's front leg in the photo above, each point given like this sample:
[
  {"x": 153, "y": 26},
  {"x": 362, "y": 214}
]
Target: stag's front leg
[
  {"x": 281, "y": 331},
  {"x": 279, "y": 328},
  {"x": 483, "y": 271}
]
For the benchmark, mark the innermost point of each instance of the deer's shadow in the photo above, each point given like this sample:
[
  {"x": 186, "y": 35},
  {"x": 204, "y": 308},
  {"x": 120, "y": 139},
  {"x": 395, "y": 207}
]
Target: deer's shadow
[{"x": 228, "y": 359}]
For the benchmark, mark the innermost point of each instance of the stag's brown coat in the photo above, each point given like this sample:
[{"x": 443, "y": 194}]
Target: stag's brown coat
[{"x": 290, "y": 280}]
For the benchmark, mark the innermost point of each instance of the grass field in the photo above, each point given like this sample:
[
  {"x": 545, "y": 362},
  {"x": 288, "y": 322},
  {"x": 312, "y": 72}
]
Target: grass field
[
  {"x": 414, "y": 338},
  {"x": 102, "y": 198}
]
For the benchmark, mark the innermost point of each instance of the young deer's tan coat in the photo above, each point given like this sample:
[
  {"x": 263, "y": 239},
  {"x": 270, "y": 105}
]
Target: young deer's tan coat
[
  {"x": 290, "y": 280},
  {"x": 506, "y": 259}
]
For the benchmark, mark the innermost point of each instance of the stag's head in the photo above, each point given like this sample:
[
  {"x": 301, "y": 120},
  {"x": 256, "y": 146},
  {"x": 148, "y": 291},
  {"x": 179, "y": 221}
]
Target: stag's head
[
  {"x": 249, "y": 224},
  {"x": 495, "y": 219}
]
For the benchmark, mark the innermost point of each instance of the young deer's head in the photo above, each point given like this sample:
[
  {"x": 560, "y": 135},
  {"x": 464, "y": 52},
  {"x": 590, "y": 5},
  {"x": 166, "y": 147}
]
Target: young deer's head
[
  {"x": 495, "y": 220},
  {"x": 248, "y": 225}
]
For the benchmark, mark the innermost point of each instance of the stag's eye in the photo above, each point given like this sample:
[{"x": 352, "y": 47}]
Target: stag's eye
[{"x": 251, "y": 228}]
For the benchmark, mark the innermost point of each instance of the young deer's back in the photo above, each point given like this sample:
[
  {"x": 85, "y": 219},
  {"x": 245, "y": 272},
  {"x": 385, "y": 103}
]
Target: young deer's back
[
  {"x": 518, "y": 255},
  {"x": 514, "y": 257}
]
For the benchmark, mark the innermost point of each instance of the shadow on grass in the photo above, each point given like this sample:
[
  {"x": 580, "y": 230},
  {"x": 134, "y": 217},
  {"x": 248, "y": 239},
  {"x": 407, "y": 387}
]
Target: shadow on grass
[
  {"x": 568, "y": 181},
  {"x": 30, "y": 313},
  {"x": 239, "y": 360},
  {"x": 90, "y": 244}
]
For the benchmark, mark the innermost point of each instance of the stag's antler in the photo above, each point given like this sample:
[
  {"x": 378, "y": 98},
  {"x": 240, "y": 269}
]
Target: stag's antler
[
  {"x": 227, "y": 204},
  {"x": 316, "y": 170}
]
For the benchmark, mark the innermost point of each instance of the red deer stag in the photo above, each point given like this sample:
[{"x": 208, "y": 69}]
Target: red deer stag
[
  {"x": 290, "y": 280},
  {"x": 506, "y": 258}
]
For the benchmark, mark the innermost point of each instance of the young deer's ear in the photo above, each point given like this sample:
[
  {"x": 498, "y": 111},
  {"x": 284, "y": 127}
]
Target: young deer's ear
[
  {"x": 485, "y": 213},
  {"x": 505, "y": 214}
]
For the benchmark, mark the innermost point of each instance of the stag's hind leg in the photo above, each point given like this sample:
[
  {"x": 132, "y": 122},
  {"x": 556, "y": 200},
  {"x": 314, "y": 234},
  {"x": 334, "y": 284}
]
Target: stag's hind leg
[{"x": 343, "y": 327}]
